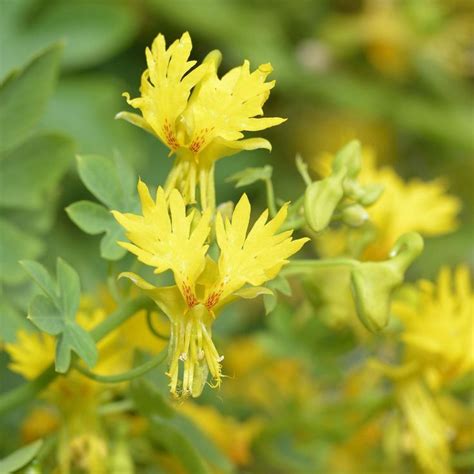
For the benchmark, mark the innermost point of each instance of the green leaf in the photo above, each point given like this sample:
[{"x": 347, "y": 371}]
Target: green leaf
[
  {"x": 55, "y": 312},
  {"x": 20, "y": 458},
  {"x": 75, "y": 339},
  {"x": 101, "y": 179},
  {"x": 176, "y": 441},
  {"x": 69, "y": 288},
  {"x": 45, "y": 315},
  {"x": 251, "y": 175},
  {"x": 28, "y": 171},
  {"x": 83, "y": 107},
  {"x": 14, "y": 246},
  {"x": 280, "y": 283},
  {"x": 112, "y": 182},
  {"x": 149, "y": 400},
  {"x": 152, "y": 403},
  {"x": 41, "y": 277},
  {"x": 95, "y": 219},
  {"x": 92, "y": 31},
  {"x": 23, "y": 97},
  {"x": 90, "y": 217}
]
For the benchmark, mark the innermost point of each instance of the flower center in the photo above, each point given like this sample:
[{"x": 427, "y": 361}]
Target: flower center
[{"x": 192, "y": 353}]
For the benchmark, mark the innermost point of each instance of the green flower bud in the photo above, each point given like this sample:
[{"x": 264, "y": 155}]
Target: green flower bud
[
  {"x": 321, "y": 199},
  {"x": 373, "y": 283},
  {"x": 371, "y": 193},
  {"x": 354, "y": 215},
  {"x": 348, "y": 157}
]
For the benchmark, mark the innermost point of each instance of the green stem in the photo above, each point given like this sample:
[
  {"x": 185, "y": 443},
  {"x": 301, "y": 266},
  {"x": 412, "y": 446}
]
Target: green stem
[
  {"x": 296, "y": 267},
  {"x": 119, "y": 316},
  {"x": 126, "y": 376},
  {"x": 302, "y": 168},
  {"x": 29, "y": 390},
  {"x": 270, "y": 197},
  {"x": 116, "y": 407},
  {"x": 152, "y": 328}
]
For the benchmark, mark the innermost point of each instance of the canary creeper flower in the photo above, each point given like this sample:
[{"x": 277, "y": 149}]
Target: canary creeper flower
[
  {"x": 413, "y": 206},
  {"x": 168, "y": 237},
  {"x": 198, "y": 115}
]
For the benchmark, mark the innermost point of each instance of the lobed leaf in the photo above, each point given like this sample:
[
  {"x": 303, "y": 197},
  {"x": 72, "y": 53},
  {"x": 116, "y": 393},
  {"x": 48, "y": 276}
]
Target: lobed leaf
[{"x": 54, "y": 312}]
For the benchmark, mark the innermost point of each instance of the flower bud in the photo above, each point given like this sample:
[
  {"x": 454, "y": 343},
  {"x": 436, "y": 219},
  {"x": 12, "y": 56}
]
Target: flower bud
[
  {"x": 354, "y": 215},
  {"x": 348, "y": 157},
  {"x": 373, "y": 283},
  {"x": 321, "y": 199},
  {"x": 371, "y": 193}
]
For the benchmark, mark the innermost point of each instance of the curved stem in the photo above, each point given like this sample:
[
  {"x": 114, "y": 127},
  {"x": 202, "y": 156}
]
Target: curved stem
[
  {"x": 29, "y": 390},
  {"x": 126, "y": 376},
  {"x": 152, "y": 328},
  {"x": 296, "y": 267}
]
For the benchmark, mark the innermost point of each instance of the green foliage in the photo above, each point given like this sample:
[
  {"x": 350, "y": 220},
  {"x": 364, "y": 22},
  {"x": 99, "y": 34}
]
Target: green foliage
[
  {"x": 113, "y": 183},
  {"x": 14, "y": 245},
  {"x": 92, "y": 31},
  {"x": 54, "y": 312},
  {"x": 32, "y": 169},
  {"x": 30, "y": 165},
  {"x": 176, "y": 432},
  {"x": 20, "y": 458},
  {"x": 24, "y": 95}
]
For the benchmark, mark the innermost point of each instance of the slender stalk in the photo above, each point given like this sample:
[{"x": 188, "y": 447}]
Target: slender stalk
[
  {"x": 296, "y": 267},
  {"x": 302, "y": 168},
  {"x": 119, "y": 316},
  {"x": 116, "y": 407},
  {"x": 270, "y": 197},
  {"x": 29, "y": 390},
  {"x": 126, "y": 376},
  {"x": 152, "y": 328}
]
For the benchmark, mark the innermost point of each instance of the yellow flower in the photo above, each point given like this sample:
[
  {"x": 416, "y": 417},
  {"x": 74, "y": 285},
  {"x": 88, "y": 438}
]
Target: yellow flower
[
  {"x": 438, "y": 329},
  {"x": 167, "y": 237},
  {"x": 428, "y": 432},
  {"x": 413, "y": 206},
  {"x": 198, "y": 115}
]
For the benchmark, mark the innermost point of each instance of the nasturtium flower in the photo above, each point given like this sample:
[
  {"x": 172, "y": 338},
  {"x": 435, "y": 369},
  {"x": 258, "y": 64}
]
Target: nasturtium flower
[
  {"x": 198, "y": 115},
  {"x": 168, "y": 237}
]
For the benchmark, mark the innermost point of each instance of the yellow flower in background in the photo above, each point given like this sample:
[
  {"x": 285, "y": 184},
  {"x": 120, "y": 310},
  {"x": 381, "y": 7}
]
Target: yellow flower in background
[
  {"x": 428, "y": 432},
  {"x": 234, "y": 437},
  {"x": 254, "y": 373},
  {"x": 438, "y": 329},
  {"x": 168, "y": 237},
  {"x": 413, "y": 206},
  {"x": 198, "y": 115}
]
